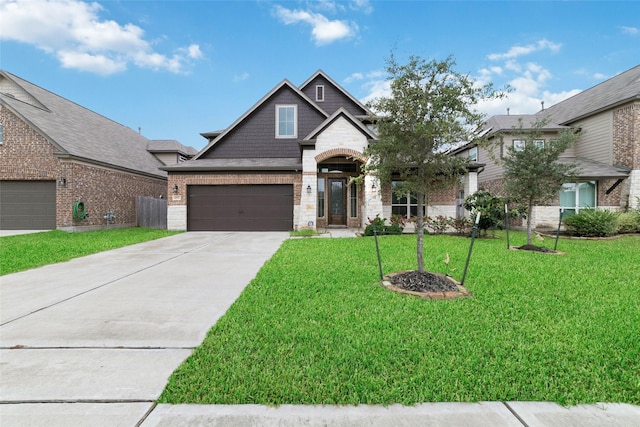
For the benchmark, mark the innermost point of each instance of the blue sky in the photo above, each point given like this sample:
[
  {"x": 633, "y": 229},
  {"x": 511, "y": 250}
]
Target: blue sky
[{"x": 179, "y": 68}]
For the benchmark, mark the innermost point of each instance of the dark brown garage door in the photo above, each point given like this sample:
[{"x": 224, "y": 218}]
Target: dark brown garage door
[
  {"x": 27, "y": 205},
  {"x": 240, "y": 207}
]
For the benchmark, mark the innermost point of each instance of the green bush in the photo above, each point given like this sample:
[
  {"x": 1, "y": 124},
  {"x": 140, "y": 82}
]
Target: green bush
[
  {"x": 592, "y": 223},
  {"x": 381, "y": 227},
  {"x": 629, "y": 222}
]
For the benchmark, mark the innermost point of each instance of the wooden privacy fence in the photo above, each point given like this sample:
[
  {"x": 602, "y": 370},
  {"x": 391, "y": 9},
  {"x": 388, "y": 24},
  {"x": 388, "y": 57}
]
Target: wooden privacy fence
[{"x": 151, "y": 212}]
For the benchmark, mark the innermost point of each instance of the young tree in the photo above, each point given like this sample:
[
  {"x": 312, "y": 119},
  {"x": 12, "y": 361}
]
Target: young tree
[
  {"x": 431, "y": 107},
  {"x": 532, "y": 172}
]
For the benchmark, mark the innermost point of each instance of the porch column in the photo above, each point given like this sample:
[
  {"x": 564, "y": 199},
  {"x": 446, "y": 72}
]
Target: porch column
[{"x": 372, "y": 200}]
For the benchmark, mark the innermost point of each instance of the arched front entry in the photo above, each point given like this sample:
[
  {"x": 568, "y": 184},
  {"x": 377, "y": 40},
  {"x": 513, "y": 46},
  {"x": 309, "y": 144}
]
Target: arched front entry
[{"x": 339, "y": 200}]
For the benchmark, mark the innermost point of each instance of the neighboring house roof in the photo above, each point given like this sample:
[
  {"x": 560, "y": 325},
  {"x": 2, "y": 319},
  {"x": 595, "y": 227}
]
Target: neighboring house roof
[
  {"x": 589, "y": 169},
  {"x": 170, "y": 146},
  {"x": 618, "y": 90},
  {"x": 75, "y": 131}
]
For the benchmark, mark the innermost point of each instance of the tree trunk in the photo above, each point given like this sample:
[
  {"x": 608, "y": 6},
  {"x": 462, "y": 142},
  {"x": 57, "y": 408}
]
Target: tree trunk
[
  {"x": 529, "y": 227},
  {"x": 420, "y": 232}
]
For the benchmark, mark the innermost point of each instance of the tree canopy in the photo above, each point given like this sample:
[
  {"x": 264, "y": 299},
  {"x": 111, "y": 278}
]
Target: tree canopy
[
  {"x": 533, "y": 175},
  {"x": 430, "y": 109}
]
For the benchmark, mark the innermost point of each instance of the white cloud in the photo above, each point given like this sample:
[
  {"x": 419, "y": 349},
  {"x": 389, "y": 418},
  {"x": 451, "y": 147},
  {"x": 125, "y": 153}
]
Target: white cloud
[
  {"x": 323, "y": 30},
  {"x": 362, "y": 5},
  {"x": 633, "y": 31},
  {"x": 516, "y": 51},
  {"x": 240, "y": 77},
  {"x": 73, "y": 31}
]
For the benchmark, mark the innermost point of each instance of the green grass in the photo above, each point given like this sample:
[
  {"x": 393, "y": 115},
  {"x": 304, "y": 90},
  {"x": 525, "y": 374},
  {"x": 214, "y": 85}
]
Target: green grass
[
  {"x": 22, "y": 252},
  {"x": 314, "y": 327}
]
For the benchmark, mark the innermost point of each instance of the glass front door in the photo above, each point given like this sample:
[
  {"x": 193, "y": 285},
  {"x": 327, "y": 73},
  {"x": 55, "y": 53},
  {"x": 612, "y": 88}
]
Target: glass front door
[{"x": 337, "y": 202}]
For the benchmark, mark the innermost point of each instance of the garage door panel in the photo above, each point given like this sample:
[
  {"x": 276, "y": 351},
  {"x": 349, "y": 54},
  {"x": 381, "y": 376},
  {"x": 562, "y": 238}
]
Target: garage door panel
[
  {"x": 240, "y": 208},
  {"x": 27, "y": 205}
]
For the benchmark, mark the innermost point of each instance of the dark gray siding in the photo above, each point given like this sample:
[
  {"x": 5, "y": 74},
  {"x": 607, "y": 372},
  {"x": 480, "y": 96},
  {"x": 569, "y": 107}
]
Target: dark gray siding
[
  {"x": 255, "y": 137},
  {"x": 334, "y": 98}
]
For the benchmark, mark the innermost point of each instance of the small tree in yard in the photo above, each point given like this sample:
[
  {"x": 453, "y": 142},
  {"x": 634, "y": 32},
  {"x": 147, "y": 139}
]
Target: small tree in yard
[
  {"x": 431, "y": 107},
  {"x": 532, "y": 172}
]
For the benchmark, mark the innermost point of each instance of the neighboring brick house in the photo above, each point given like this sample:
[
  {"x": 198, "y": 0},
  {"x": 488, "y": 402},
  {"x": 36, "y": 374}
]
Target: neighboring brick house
[
  {"x": 286, "y": 164},
  {"x": 607, "y": 153},
  {"x": 56, "y": 155}
]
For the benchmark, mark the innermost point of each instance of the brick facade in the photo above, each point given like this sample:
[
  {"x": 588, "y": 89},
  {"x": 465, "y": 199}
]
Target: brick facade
[{"x": 27, "y": 155}]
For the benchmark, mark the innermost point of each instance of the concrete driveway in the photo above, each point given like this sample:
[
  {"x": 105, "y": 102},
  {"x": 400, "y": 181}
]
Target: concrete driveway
[{"x": 93, "y": 341}]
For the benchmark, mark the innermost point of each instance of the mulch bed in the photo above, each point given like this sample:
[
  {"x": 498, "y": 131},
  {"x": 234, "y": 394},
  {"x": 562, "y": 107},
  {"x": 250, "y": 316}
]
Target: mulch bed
[{"x": 425, "y": 285}]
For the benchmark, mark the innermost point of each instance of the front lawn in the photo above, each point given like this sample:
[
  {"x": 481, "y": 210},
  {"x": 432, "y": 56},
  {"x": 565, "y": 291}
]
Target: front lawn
[
  {"x": 25, "y": 251},
  {"x": 315, "y": 327}
]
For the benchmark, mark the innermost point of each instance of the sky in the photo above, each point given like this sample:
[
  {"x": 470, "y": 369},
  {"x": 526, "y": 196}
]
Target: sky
[{"x": 176, "y": 69}]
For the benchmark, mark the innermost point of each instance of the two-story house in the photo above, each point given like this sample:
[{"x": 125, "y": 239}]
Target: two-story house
[
  {"x": 288, "y": 163},
  {"x": 607, "y": 117}
]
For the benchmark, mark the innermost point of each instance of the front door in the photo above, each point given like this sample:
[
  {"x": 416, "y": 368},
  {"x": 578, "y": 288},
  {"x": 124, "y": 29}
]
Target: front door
[{"x": 337, "y": 201}]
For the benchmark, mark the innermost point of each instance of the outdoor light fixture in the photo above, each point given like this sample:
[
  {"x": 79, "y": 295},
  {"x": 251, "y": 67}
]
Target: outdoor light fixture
[
  {"x": 62, "y": 182},
  {"x": 373, "y": 186},
  {"x": 308, "y": 189},
  {"x": 175, "y": 188}
]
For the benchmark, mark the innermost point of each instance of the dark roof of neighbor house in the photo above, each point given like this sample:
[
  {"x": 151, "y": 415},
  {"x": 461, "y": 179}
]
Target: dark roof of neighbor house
[
  {"x": 76, "y": 131},
  {"x": 590, "y": 169},
  {"x": 170, "y": 146},
  {"x": 618, "y": 90}
]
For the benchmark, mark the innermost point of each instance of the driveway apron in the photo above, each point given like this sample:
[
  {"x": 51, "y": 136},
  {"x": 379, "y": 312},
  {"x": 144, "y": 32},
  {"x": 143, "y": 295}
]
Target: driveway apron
[{"x": 93, "y": 341}]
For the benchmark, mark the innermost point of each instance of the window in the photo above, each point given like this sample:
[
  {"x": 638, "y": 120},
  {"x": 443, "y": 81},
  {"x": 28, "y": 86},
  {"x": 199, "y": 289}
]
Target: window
[
  {"x": 577, "y": 195},
  {"x": 473, "y": 154},
  {"x": 286, "y": 121},
  {"x": 319, "y": 93},
  {"x": 539, "y": 143},
  {"x": 354, "y": 200},
  {"x": 1, "y": 134},
  {"x": 406, "y": 206},
  {"x": 320, "y": 197},
  {"x": 518, "y": 144}
]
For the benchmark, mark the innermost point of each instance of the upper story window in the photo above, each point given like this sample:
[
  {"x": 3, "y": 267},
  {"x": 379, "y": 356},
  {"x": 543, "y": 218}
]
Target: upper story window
[
  {"x": 286, "y": 121},
  {"x": 518, "y": 145},
  {"x": 1, "y": 135},
  {"x": 319, "y": 93},
  {"x": 539, "y": 143},
  {"x": 473, "y": 154}
]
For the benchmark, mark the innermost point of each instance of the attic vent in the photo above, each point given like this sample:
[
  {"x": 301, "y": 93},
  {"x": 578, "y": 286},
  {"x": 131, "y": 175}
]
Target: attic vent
[{"x": 319, "y": 93}]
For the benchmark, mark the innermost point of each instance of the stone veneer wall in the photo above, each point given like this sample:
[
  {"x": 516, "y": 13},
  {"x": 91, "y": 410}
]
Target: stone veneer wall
[
  {"x": 177, "y": 202},
  {"x": 25, "y": 155}
]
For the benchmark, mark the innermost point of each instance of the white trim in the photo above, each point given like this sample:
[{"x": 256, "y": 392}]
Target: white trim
[{"x": 295, "y": 121}]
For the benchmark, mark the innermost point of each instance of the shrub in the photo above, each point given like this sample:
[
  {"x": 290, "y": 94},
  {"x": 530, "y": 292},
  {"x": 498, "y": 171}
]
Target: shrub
[
  {"x": 439, "y": 224},
  {"x": 592, "y": 223},
  {"x": 462, "y": 224},
  {"x": 629, "y": 222},
  {"x": 381, "y": 227}
]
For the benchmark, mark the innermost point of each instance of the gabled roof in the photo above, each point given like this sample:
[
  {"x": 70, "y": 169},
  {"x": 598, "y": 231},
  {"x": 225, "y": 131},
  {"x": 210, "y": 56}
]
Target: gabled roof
[
  {"x": 272, "y": 92},
  {"x": 506, "y": 123},
  {"x": 340, "y": 88},
  {"x": 76, "y": 131},
  {"x": 341, "y": 112},
  {"x": 618, "y": 90},
  {"x": 170, "y": 146}
]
